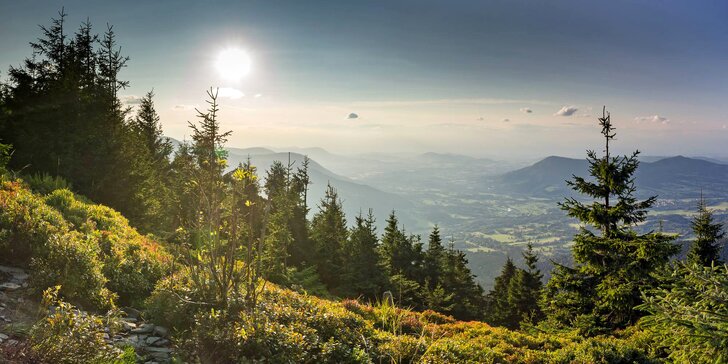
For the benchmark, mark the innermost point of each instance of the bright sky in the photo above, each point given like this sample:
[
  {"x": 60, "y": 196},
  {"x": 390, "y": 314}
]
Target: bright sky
[{"x": 496, "y": 78}]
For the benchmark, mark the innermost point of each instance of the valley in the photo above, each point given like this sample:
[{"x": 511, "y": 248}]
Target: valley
[{"x": 490, "y": 209}]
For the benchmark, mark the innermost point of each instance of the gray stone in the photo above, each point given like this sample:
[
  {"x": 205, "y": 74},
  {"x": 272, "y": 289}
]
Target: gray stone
[
  {"x": 159, "y": 350},
  {"x": 152, "y": 339},
  {"x": 127, "y": 326},
  {"x": 143, "y": 329},
  {"x": 9, "y": 286},
  {"x": 163, "y": 357},
  {"x": 160, "y": 331},
  {"x": 3, "y": 336},
  {"x": 163, "y": 342}
]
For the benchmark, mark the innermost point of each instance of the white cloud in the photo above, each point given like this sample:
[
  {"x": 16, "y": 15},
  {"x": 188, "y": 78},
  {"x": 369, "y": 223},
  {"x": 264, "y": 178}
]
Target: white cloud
[
  {"x": 352, "y": 116},
  {"x": 480, "y": 119},
  {"x": 527, "y": 110},
  {"x": 229, "y": 93},
  {"x": 566, "y": 111},
  {"x": 130, "y": 99},
  {"x": 258, "y": 96},
  {"x": 652, "y": 119}
]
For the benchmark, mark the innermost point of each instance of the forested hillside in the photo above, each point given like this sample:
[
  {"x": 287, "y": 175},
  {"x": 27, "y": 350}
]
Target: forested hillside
[{"x": 129, "y": 243}]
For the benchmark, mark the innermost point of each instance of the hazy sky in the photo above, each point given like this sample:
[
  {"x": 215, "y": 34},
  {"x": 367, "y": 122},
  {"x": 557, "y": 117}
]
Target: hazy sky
[{"x": 496, "y": 78}]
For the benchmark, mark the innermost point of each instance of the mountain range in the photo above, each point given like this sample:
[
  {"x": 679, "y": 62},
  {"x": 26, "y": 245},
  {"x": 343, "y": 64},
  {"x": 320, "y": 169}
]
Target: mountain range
[{"x": 672, "y": 177}]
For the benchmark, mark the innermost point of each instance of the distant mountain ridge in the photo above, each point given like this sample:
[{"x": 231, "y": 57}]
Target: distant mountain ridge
[
  {"x": 357, "y": 197},
  {"x": 678, "y": 177}
]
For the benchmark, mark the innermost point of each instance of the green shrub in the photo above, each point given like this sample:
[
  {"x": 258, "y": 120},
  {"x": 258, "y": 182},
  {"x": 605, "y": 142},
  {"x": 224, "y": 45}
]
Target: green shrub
[
  {"x": 602, "y": 350},
  {"x": 133, "y": 263},
  {"x": 88, "y": 249},
  {"x": 67, "y": 335},
  {"x": 70, "y": 260},
  {"x": 44, "y": 183}
]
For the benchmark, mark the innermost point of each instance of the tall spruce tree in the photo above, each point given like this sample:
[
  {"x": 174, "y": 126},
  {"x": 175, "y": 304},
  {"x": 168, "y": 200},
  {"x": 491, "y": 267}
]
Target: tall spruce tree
[
  {"x": 363, "y": 275},
  {"x": 401, "y": 259},
  {"x": 401, "y": 254},
  {"x": 525, "y": 288},
  {"x": 300, "y": 251},
  {"x": 329, "y": 234},
  {"x": 150, "y": 169},
  {"x": 705, "y": 249},
  {"x": 498, "y": 310},
  {"x": 458, "y": 280},
  {"x": 613, "y": 262},
  {"x": 434, "y": 258}
]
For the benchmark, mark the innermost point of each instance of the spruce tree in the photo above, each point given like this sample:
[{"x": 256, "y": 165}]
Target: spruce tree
[
  {"x": 329, "y": 234},
  {"x": 459, "y": 281},
  {"x": 401, "y": 259},
  {"x": 525, "y": 288},
  {"x": 705, "y": 249},
  {"x": 401, "y": 254},
  {"x": 613, "y": 262},
  {"x": 363, "y": 275},
  {"x": 434, "y": 256},
  {"x": 300, "y": 251},
  {"x": 149, "y": 151},
  {"x": 498, "y": 310}
]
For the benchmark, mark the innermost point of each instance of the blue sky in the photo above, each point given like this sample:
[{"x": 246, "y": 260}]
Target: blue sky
[{"x": 446, "y": 76}]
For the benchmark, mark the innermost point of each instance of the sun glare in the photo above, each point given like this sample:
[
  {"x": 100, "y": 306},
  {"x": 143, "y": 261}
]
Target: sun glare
[{"x": 233, "y": 64}]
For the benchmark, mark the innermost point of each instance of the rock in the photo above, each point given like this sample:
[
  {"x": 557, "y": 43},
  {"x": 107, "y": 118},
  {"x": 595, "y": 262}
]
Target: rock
[
  {"x": 160, "y": 331},
  {"x": 159, "y": 350},
  {"x": 152, "y": 339},
  {"x": 3, "y": 336},
  {"x": 143, "y": 329},
  {"x": 162, "y": 342},
  {"x": 9, "y": 286},
  {"x": 127, "y": 326}
]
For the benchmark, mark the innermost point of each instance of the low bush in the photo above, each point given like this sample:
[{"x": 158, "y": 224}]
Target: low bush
[
  {"x": 90, "y": 250},
  {"x": 44, "y": 183},
  {"x": 67, "y": 335}
]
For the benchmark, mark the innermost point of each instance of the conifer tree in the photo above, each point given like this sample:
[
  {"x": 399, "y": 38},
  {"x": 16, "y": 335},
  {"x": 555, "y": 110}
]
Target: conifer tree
[
  {"x": 613, "y": 263},
  {"x": 401, "y": 254},
  {"x": 524, "y": 290},
  {"x": 705, "y": 249},
  {"x": 328, "y": 235},
  {"x": 459, "y": 281},
  {"x": 498, "y": 309},
  {"x": 300, "y": 246},
  {"x": 434, "y": 256},
  {"x": 150, "y": 168},
  {"x": 363, "y": 275}
]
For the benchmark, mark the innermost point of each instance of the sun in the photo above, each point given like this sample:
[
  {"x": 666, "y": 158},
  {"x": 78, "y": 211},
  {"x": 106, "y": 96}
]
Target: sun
[{"x": 233, "y": 64}]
